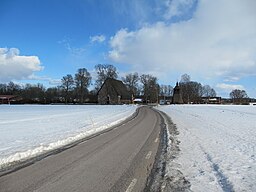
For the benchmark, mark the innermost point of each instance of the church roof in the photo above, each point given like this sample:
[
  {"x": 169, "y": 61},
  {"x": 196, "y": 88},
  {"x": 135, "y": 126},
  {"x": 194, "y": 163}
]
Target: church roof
[{"x": 118, "y": 86}]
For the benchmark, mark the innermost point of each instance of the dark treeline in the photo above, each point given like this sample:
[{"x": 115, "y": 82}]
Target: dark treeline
[
  {"x": 74, "y": 88},
  {"x": 193, "y": 92}
]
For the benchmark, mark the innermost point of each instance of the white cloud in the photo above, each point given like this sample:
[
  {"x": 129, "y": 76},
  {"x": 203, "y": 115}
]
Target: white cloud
[
  {"x": 231, "y": 79},
  {"x": 229, "y": 87},
  {"x": 220, "y": 40},
  {"x": 98, "y": 38},
  {"x": 75, "y": 51},
  {"x": 177, "y": 8},
  {"x": 14, "y": 66},
  {"x": 45, "y": 78}
]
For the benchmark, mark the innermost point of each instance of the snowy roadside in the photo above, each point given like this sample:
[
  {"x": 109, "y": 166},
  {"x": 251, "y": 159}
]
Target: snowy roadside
[
  {"x": 174, "y": 179},
  {"x": 166, "y": 175},
  {"x": 30, "y": 130},
  {"x": 217, "y": 146}
]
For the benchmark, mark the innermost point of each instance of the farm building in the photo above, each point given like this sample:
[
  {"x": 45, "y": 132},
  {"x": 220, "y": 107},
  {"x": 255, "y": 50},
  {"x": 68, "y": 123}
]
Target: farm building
[{"x": 113, "y": 92}]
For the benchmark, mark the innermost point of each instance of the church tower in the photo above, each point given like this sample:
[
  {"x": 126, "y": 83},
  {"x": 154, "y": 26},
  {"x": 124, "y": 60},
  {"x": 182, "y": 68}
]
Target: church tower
[{"x": 177, "y": 99}]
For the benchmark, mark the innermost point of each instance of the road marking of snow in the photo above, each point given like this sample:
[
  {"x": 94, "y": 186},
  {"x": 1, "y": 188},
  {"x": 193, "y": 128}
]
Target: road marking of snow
[
  {"x": 156, "y": 140},
  {"x": 148, "y": 155},
  {"x": 131, "y": 186}
]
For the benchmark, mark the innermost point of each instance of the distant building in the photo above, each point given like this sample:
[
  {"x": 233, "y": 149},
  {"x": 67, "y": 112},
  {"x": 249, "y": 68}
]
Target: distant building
[
  {"x": 8, "y": 99},
  {"x": 165, "y": 100},
  {"x": 113, "y": 92},
  {"x": 177, "y": 97},
  {"x": 162, "y": 102},
  {"x": 211, "y": 100},
  {"x": 138, "y": 101}
]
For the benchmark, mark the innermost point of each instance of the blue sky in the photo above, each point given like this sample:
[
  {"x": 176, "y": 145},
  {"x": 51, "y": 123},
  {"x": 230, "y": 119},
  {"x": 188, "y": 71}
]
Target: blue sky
[{"x": 212, "y": 41}]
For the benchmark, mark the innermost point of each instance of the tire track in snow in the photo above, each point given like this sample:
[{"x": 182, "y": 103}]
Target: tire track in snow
[{"x": 223, "y": 180}]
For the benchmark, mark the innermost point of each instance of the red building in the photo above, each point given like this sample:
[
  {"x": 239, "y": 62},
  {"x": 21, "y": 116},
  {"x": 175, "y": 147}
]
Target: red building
[{"x": 7, "y": 99}]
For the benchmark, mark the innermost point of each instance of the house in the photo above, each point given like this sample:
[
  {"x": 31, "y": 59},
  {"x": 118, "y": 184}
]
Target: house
[
  {"x": 137, "y": 101},
  {"x": 177, "y": 97},
  {"x": 211, "y": 100},
  {"x": 7, "y": 99},
  {"x": 113, "y": 92}
]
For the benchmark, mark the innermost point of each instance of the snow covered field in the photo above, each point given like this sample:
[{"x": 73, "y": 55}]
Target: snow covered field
[
  {"x": 217, "y": 146},
  {"x": 29, "y": 130},
  {"x": 217, "y": 143}
]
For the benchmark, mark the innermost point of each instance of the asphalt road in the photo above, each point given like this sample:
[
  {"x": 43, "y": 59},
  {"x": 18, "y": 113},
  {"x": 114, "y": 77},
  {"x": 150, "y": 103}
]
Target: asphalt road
[{"x": 117, "y": 160}]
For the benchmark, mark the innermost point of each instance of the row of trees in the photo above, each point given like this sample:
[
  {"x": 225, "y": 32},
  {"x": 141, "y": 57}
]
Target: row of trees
[
  {"x": 193, "y": 92},
  {"x": 74, "y": 89},
  {"x": 71, "y": 90},
  {"x": 144, "y": 85}
]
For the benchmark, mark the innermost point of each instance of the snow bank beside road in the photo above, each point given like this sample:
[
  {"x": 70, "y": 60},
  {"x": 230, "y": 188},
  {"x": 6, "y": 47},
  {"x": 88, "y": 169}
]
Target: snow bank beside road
[
  {"x": 29, "y": 130},
  {"x": 217, "y": 146}
]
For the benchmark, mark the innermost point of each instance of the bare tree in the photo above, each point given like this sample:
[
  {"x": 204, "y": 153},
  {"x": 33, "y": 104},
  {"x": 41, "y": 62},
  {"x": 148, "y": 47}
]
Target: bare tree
[
  {"x": 191, "y": 92},
  {"x": 67, "y": 86},
  {"x": 131, "y": 81},
  {"x": 185, "y": 78},
  {"x": 169, "y": 90},
  {"x": 238, "y": 96},
  {"x": 3, "y": 88},
  {"x": 104, "y": 71},
  {"x": 82, "y": 81},
  {"x": 54, "y": 95},
  {"x": 166, "y": 90},
  {"x": 163, "y": 90},
  {"x": 34, "y": 93},
  {"x": 13, "y": 88},
  {"x": 208, "y": 91},
  {"x": 150, "y": 88},
  {"x": 185, "y": 88}
]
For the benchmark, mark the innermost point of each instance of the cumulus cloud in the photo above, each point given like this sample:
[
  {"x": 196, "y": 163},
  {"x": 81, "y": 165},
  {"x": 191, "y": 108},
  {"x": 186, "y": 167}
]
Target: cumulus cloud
[
  {"x": 219, "y": 40},
  {"x": 14, "y": 66},
  {"x": 98, "y": 38}
]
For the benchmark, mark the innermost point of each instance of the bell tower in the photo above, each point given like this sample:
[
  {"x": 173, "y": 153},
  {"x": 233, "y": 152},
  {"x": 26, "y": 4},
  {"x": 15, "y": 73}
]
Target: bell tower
[{"x": 177, "y": 99}]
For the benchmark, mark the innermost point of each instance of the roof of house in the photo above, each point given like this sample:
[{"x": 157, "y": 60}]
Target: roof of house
[{"x": 118, "y": 86}]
